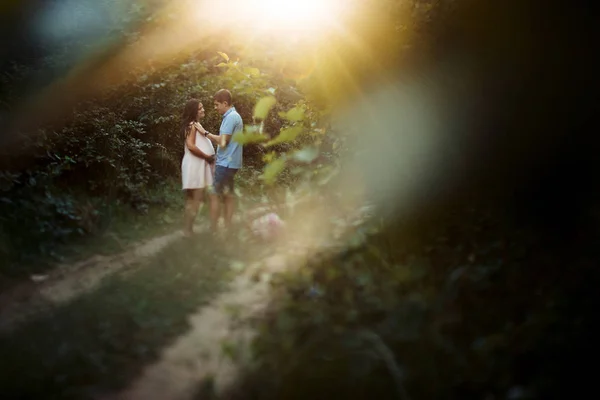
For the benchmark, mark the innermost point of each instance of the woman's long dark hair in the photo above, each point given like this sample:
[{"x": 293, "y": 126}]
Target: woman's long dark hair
[{"x": 190, "y": 114}]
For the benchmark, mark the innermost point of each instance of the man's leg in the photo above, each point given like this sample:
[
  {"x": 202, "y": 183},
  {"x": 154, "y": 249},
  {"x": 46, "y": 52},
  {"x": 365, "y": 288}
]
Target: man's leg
[
  {"x": 229, "y": 196},
  {"x": 216, "y": 194},
  {"x": 215, "y": 211},
  {"x": 229, "y": 209}
]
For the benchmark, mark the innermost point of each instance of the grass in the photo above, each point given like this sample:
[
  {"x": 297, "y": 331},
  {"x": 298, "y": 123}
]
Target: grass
[
  {"x": 126, "y": 227},
  {"x": 100, "y": 341},
  {"x": 122, "y": 227}
]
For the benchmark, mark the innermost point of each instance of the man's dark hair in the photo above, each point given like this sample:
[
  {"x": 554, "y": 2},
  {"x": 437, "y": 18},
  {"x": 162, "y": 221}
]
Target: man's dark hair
[{"x": 222, "y": 96}]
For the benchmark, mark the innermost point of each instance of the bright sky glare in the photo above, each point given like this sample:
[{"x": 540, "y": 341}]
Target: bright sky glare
[{"x": 279, "y": 15}]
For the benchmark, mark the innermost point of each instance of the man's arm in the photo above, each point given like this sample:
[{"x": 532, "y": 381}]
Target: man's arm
[
  {"x": 222, "y": 140},
  {"x": 216, "y": 139},
  {"x": 227, "y": 129}
]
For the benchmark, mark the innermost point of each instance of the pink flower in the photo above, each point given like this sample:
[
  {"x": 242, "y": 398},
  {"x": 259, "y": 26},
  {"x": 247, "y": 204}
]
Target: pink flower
[{"x": 268, "y": 226}]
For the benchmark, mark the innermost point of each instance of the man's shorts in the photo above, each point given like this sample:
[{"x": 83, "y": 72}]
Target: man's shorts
[{"x": 223, "y": 182}]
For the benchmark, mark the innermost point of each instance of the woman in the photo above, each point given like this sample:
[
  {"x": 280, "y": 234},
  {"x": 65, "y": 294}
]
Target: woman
[{"x": 197, "y": 164}]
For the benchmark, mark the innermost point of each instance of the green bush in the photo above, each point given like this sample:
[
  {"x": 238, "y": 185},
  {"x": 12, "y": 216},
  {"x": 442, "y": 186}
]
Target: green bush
[{"x": 115, "y": 148}]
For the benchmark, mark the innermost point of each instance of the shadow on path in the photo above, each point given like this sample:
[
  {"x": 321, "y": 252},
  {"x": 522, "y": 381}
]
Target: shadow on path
[{"x": 101, "y": 340}]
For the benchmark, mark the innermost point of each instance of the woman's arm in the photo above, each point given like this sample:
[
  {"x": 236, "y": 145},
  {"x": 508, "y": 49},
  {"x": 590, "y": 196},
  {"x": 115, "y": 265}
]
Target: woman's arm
[{"x": 190, "y": 142}]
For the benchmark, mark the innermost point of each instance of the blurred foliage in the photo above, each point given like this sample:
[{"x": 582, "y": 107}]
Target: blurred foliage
[
  {"x": 60, "y": 181},
  {"x": 460, "y": 305}
]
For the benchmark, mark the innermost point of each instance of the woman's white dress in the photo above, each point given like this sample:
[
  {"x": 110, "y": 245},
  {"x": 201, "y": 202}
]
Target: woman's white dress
[{"x": 196, "y": 173}]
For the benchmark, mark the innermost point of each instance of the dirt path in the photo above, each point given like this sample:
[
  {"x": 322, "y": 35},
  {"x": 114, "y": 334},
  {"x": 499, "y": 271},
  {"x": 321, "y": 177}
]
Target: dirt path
[
  {"x": 66, "y": 282},
  {"x": 199, "y": 354}
]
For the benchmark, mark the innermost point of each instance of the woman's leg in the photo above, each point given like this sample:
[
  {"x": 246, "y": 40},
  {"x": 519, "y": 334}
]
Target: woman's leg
[
  {"x": 200, "y": 198},
  {"x": 192, "y": 203}
]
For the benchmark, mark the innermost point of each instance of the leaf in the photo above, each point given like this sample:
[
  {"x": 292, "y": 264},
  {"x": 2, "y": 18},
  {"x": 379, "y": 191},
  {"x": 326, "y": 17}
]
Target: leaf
[
  {"x": 252, "y": 71},
  {"x": 229, "y": 349},
  {"x": 225, "y": 56},
  {"x": 284, "y": 322},
  {"x": 263, "y": 106},
  {"x": 331, "y": 273},
  {"x": 237, "y": 266},
  {"x": 286, "y": 135},
  {"x": 222, "y": 65},
  {"x": 272, "y": 170},
  {"x": 306, "y": 155},
  {"x": 294, "y": 114},
  {"x": 247, "y": 138},
  {"x": 252, "y": 129},
  {"x": 402, "y": 273},
  {"x": 364, "y": 278},
  {"x": 265, "y": 277},
  {"x": 268, "y": 157}
]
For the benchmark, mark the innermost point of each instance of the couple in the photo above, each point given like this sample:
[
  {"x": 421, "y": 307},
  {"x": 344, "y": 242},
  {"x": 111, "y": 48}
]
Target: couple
[{"x": 202, "y": 170}]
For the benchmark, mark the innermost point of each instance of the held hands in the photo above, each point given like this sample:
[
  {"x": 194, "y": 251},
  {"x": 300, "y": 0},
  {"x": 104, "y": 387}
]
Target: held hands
[{"x": 210, "y": 159}]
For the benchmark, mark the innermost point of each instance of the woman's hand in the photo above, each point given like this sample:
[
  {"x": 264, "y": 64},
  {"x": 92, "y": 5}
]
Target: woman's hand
[{"x": 210, "y": 159}]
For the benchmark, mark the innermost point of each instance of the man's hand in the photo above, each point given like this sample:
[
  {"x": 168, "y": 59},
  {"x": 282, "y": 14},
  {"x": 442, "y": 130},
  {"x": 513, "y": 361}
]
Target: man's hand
[
  {"x": 200, "y": 128},
  {"x": 210, "y": 159}
]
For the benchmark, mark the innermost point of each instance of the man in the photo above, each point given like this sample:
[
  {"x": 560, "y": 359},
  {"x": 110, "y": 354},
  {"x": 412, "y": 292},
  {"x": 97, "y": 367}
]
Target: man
[{"x": 228, "y": 161}]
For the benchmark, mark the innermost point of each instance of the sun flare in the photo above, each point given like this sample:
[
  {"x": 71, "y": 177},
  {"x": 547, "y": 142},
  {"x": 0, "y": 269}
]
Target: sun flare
[
  {"x": 297, "y": 12},
  {"x": 281, "y": 15}
]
